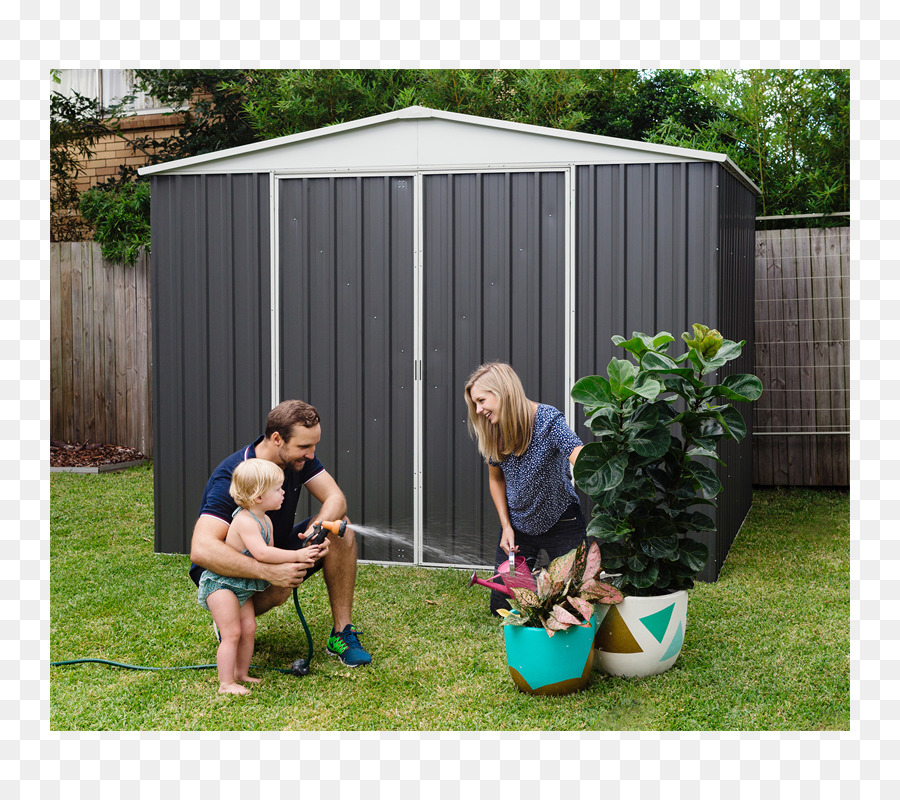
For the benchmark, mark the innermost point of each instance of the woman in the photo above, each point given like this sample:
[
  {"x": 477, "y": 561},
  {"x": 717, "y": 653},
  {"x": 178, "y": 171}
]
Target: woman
[{"x": 529, "y": 448}]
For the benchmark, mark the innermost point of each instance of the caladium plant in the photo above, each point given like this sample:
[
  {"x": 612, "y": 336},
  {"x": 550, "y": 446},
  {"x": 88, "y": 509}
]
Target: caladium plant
[
  {"x": 657, "y": 421},
  {"x": 566, "y": 593}
]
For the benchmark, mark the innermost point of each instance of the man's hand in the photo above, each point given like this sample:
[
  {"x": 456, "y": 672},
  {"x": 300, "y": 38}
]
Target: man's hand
[
  {"x": 288, "y": 575},
  {"x": 314, "y": 551}
]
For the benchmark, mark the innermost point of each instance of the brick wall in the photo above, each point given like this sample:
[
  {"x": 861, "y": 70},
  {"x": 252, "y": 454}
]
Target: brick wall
[{"x": 113, "y": 151}]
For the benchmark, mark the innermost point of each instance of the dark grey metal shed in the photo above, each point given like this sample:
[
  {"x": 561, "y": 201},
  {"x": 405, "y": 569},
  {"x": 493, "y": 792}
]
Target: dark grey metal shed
[{"x": 368, "y": 267}]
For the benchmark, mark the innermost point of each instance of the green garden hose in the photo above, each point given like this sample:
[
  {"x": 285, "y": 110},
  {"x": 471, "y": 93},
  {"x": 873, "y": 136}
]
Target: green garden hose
[{"x": 299, "y": 668}]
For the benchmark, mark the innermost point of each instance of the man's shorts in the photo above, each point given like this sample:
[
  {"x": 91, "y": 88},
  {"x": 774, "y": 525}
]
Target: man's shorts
[{"x": 294, "y": 542}]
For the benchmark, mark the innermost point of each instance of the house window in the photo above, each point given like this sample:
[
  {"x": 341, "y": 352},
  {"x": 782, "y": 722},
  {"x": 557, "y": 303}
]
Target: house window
[{"x": 109, "y": 86}]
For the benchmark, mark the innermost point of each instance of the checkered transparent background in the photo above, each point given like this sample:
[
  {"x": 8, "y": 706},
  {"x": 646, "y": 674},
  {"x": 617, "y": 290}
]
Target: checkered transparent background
[{"x": 39, "y": 35}]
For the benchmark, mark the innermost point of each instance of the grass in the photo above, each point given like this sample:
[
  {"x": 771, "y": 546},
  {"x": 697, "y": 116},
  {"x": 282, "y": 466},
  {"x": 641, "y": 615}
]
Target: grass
[{"x": 767, "y": 646}]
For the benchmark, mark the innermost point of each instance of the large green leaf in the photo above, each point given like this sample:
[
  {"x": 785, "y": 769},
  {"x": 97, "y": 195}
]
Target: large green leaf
[
  {"x": 727, "y": 352},
  {"x": 645, "y": 578},
  {"x": 645, "y": 385},
  {"x": 604, "y": 421},
  {"x": 603, "y": 527},
  {"x": 615, "y": 554},
  {"x": 637, "y": 486},
  {"x": 711, "y": 424},
  {"x": 693, "y": 555},
  {"x": 704, "y": 452},
  {"x": 657, "y": 362},
  {"x": 636, "y": 344},
  {"x": 679, "y": 385},
  {"x": 640, "y": 343},
  {"x": 593, "y": 390},
  {"x": 646, "y": 416},
  {"x": 650, "y": 443},
  {"x": 733, "y": 422},
  {"x": 705, "y": 479},
  {"x": 738, "y": 387},
  {"x": 621, "y": 377},
  {"x": 716, "y": 426},
  {"x": 600, "y": 466},
  {"x": 659, "y": 546},
  {"x": 695, "y": 521},
  {"x": 637, "y": 562},
  {"x": 662, "y": 340}
]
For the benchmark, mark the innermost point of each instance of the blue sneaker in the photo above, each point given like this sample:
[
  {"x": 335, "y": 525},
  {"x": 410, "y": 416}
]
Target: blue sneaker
[{"x": 345, "y": 645}]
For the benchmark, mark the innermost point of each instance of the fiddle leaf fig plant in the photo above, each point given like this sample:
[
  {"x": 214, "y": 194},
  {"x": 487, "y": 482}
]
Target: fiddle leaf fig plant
[
  {"x": 566, "y": 593},
  {"x": 657, "y": 421}
]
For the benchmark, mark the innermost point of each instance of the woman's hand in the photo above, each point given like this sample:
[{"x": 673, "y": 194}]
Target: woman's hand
[{"x": 508, "y": 540}]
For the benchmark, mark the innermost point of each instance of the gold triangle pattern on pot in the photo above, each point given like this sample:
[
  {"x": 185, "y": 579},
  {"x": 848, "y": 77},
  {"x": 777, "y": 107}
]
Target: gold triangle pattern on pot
[{"x": 613, "y": 635}]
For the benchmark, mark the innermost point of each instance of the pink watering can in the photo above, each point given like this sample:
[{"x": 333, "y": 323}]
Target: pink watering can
[{"x": 519, "y": 577}]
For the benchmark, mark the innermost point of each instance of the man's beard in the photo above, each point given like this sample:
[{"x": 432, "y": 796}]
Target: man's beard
[{"x": 296, "y": 464}]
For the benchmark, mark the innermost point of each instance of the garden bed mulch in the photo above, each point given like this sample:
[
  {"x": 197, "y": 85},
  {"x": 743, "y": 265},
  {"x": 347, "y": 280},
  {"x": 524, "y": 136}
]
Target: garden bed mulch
[{"x": 92, "y": 457}]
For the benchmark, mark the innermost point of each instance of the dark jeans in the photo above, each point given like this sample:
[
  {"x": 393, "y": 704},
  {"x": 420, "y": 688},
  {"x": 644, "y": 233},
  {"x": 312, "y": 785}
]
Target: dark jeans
[{"x": 566, "y": 534}]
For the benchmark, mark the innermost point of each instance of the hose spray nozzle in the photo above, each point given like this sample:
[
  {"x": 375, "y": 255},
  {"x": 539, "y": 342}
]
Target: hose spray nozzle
[
  {"x": 338, "y": 527},
  {"x": 322, "y": 529}
]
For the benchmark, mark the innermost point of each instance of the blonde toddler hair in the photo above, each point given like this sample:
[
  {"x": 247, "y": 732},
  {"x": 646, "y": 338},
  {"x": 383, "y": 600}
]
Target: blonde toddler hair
[{"x": 254, "y": 477}]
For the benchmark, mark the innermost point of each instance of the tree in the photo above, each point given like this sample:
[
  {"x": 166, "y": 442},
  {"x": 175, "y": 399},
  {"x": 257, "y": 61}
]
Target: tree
[
  {"x": 787, "y": 129},
  {"x": 282, "y": 102},
  {"x": 212, "y": 109}
]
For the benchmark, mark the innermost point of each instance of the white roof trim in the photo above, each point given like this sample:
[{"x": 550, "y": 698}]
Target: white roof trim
[{"x": 420, "y": 112}]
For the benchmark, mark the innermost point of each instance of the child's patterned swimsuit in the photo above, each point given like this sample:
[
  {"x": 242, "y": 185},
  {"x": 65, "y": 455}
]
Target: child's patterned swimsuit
[{"x": 244, "y": 588}]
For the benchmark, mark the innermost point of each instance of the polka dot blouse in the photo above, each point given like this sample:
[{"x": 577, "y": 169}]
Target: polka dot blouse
[{"x": 538, "y": 483}]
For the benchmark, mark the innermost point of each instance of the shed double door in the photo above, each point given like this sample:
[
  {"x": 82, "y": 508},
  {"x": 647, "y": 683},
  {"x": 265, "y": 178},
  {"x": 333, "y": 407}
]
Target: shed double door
[{"x": 392, "y": 290}]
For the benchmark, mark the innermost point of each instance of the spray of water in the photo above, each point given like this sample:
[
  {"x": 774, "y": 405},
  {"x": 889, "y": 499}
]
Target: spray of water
[{"x": 405, "y": 539}]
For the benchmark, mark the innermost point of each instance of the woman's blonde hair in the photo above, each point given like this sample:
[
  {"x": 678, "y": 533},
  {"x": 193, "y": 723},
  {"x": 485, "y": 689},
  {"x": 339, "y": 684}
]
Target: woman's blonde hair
[
  {"x": 515, "y": 417},
  {"x": 254, "y": 477}
]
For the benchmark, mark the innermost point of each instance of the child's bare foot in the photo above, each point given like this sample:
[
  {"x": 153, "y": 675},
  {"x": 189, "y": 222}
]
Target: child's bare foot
[
  {"x": 246, "y": 679},
  {"x": 233, "y": 688}
]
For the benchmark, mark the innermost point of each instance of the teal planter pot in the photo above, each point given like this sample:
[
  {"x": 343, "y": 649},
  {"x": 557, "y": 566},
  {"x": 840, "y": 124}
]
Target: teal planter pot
[{"x": 542, "y": 664}]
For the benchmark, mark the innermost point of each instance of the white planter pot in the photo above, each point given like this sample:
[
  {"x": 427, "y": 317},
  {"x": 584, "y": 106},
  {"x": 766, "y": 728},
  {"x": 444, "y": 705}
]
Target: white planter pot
[{"x": 641, "y": 635}]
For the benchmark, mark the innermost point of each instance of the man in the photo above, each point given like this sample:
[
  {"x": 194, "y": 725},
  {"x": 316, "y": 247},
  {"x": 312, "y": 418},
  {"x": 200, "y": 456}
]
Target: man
[{"x": 292, "y": 432}]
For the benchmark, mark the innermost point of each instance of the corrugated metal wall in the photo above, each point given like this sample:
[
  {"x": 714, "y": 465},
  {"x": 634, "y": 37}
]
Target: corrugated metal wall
[
  {"x": 737, "y": 273},
  {"x": 494, "y": 288},
  {"x": 656, "y": 247},
  {"x": 346, "y": 314},
  {"x": 211, "y": 335},
  {"x": 652, "y": 253}
]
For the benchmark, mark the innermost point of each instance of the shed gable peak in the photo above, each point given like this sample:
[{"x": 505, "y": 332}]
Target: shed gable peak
[{"x": 420, "y": 138}]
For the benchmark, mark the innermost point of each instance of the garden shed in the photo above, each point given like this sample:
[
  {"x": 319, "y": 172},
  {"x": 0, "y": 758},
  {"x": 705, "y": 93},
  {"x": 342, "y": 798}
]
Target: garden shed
[{"x": 368, "y": 267}]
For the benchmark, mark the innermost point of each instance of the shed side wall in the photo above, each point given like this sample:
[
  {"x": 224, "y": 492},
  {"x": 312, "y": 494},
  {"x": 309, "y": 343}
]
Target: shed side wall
[
  {"x": 737, "y": 247},
  {"x": 211, "y": 337}
]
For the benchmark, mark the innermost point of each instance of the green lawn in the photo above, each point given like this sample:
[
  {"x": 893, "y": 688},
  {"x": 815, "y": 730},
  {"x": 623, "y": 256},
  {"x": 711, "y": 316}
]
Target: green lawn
[{"x": 767, "y": 646}]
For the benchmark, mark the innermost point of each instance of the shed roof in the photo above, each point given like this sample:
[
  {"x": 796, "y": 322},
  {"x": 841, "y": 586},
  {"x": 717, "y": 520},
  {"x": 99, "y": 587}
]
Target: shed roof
[{"x": 416, "y": 138}]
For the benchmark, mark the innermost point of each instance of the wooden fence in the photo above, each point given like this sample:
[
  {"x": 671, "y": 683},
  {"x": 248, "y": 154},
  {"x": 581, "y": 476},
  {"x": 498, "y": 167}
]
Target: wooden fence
[
  {"x": 802, "y": 422},
  {"x": 100, "y": 348},
  {"x": 100, "y": 354}
]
